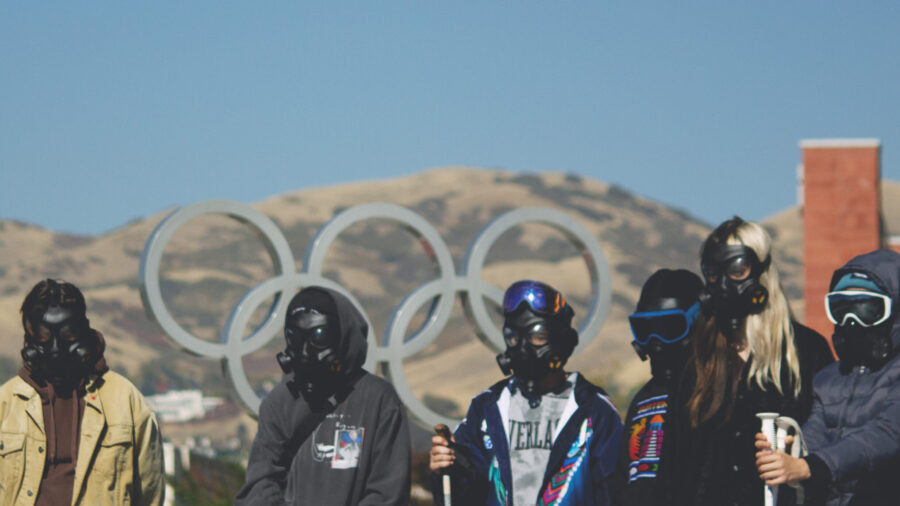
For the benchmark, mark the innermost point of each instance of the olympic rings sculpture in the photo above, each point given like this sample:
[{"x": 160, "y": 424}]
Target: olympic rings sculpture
[{"x": 386, "y": 355}]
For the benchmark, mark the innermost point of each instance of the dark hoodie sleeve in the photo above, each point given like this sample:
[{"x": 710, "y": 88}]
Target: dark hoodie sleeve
[
  {"x": 389, "y": 481},
  {"x": 270, "y": 459}
]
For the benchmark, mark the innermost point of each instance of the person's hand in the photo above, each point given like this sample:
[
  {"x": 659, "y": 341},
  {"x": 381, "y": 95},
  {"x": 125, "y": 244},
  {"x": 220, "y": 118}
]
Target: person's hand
[
  {"x": 777, "y": 467},
  {"x": 441, "y": 455},
  {"x": 762, "y": 443}
]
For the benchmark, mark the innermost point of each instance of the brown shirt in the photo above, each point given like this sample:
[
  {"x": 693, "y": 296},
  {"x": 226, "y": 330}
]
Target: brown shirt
[{"x": 62, "y": 420}]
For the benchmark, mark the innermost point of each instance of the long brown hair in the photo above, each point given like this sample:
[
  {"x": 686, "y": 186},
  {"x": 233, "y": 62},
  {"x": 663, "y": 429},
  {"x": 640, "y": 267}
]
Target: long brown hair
[{"x": 718, "y": 369}]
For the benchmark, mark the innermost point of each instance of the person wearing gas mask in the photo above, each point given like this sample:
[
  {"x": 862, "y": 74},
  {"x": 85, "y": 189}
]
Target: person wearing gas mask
[
  {"x": 541, "y": 436},
  {"x": 853, "y": 432},
  {"x": 71, "y": 430},
  {"x": 661, "y": 325},
  {"x": 750, "y": 356},
  {"x": 330, "y": 432}
]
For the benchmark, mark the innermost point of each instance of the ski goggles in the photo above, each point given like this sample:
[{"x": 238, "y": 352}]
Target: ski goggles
[
  {"x": 668, "y": 325},
  {"x": 541, "y": 298},
  {"x": 865, "y": 308}
]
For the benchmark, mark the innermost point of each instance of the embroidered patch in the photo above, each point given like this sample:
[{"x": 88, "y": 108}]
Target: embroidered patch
[
  {"x": 646, "y": 437},
  {"x": 347, "y": 445}
]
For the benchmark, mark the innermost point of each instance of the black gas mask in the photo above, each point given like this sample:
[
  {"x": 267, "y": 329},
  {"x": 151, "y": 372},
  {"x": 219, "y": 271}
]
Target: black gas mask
[
  {"x": 663, "y": 320},
  {"x": 312, "y": 334},
  {"x": 863, "y": 320},
  {"x": 537, "y": 332},
  {"x": 732, "y": 290},
  {"x": 57, "y": 344}
]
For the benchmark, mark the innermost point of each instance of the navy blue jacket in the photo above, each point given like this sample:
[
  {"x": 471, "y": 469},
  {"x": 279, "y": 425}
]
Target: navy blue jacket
[
  {"x": 582, "y": 459},
  {"x": 853, "y": 432}
]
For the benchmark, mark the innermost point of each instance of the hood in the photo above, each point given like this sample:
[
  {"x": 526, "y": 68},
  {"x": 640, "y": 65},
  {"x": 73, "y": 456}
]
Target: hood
[
  {"x": 883, "y": 266},
  {"x": 354, "y": 330}
]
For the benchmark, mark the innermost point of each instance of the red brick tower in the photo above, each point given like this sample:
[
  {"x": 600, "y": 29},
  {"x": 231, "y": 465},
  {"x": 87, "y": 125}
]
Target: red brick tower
[{"x": 841, "y": 213}]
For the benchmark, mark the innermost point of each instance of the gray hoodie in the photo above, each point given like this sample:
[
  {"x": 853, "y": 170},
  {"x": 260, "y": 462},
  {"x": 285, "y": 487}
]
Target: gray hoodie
[{"x": 353, "y": 449}]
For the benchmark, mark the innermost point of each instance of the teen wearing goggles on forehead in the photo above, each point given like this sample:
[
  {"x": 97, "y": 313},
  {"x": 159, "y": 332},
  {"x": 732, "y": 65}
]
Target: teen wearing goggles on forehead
[
  {"x": 750, "y": 356},
  {"x": 542, "y": 427},
  {"x": 662, "y": 326},
  {"x": 853, "y": 433}
]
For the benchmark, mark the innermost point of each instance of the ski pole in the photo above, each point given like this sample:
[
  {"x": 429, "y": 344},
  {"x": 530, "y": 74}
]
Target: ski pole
[
  {"x": 444, "y": 431},
  {"x": 768, "y": 429}
]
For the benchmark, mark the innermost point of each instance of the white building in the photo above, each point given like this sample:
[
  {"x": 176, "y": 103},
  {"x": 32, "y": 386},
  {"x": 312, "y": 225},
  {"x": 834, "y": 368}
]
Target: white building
[{"x": 182, "y": 405}]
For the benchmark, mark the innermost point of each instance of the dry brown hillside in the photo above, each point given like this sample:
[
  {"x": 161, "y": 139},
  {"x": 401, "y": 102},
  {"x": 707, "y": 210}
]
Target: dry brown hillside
[{"x": 213, "y": 261}]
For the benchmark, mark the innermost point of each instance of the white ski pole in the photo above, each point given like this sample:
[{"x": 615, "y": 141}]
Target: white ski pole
[
  {"x": 444, "y": 431},
  {"x": 768, "y": 429}
]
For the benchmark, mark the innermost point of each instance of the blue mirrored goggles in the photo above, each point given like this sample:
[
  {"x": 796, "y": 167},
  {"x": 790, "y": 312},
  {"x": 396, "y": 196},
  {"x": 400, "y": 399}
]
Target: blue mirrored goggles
[
  {"x": 540, "y": 298},
  {"x": 668, "y": 325}
]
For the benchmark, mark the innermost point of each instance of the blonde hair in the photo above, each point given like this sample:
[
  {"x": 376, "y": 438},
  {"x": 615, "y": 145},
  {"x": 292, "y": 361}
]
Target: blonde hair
[{"x": 768, "y": 333}]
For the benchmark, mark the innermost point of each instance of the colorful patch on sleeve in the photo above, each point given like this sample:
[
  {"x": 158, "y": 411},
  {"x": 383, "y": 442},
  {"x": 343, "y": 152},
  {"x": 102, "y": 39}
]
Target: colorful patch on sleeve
[{"x": 646, "y": 437}]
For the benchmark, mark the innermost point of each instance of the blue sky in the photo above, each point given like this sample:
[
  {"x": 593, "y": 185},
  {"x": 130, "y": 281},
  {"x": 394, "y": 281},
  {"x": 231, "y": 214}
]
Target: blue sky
[{"x": 111, "y": 111}]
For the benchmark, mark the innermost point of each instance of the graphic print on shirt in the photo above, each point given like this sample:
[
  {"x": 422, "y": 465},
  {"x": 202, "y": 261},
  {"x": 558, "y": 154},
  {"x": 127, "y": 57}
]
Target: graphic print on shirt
[
  {"x": 530, "y": 435},
  {"x": 531, "y": 431},
  {"x": 348, "y": 443},
  {"x": 646, "y": 437},
  {"x": 337, "y": 443}
]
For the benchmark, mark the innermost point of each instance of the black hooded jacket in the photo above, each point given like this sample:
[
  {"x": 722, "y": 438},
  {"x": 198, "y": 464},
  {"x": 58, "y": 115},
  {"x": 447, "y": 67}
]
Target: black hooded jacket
[
  {"x": 853, "y": 432},
  {"x": 352, "y": 449}
]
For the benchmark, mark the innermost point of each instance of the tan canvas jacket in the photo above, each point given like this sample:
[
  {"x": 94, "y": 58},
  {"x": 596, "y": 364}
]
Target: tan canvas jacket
[{"x": 119, "y": 453}]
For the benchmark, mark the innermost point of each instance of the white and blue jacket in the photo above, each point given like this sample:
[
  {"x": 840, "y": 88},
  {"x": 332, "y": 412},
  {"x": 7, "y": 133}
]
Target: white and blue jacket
[{"x": 582, "y": 458}]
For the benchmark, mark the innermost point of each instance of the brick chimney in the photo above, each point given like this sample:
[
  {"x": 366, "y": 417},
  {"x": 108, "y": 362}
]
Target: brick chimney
[{"x": 840, "y": 181}]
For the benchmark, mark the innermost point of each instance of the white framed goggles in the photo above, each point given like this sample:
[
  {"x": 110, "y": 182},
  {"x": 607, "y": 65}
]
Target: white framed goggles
[{"x": 865, "y": 308}]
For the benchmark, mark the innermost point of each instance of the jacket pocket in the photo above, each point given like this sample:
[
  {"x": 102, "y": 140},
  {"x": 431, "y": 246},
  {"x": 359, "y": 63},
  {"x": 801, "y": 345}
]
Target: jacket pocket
[
  {"x": 114, "y": 448},
  {"x": 111, "y": 472},
  {"x": 12, "y": 457}
]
